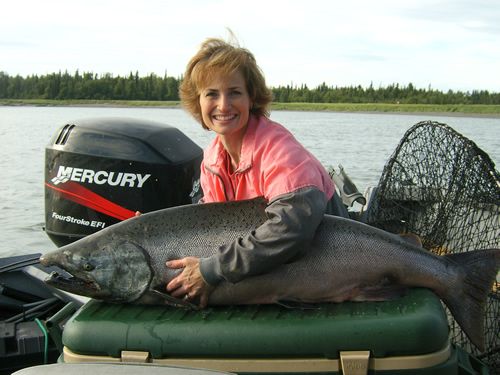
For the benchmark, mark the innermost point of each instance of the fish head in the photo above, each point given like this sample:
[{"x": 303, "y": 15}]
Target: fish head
[{"x": 113, "y": 270}]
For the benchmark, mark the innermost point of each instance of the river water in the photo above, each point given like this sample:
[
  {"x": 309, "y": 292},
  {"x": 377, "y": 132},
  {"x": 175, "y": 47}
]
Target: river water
[{"x": 362, "y": 143}]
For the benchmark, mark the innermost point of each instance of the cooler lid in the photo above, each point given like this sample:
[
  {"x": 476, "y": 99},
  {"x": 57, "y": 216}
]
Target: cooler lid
[{"x": 411, "y": 325}]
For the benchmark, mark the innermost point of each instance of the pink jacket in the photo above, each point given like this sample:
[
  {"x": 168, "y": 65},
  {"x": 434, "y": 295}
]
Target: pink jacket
[{"x": 272, "y": 163}]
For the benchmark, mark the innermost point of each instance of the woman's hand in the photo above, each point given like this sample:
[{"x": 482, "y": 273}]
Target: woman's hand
[{"x": 189, "y": 284}]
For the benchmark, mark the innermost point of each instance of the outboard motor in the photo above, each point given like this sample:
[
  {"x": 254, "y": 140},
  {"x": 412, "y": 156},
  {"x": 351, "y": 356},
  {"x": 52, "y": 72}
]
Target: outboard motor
[{"x": 101, "y": 171}]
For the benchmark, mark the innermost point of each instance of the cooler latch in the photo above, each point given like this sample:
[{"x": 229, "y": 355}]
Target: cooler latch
[
  {"x": 355, "y": 362},
  {"x": 134, "y": 356}
]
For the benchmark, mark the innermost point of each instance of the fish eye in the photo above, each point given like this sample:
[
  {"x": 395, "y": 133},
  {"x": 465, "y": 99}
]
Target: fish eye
[{"x": 88, "y": 266}]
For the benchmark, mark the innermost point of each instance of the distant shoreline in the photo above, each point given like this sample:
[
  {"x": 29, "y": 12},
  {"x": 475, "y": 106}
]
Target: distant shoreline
[{"x": 450, "y": 110}]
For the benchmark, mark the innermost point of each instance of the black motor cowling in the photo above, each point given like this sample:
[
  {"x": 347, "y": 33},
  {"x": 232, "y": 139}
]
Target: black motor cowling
[{"x": 101, "y": 171}]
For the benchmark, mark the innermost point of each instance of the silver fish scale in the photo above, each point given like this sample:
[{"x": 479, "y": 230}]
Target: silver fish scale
[
  {"x": 197, "y": 230},
  {"x": 330, "y": 268}
]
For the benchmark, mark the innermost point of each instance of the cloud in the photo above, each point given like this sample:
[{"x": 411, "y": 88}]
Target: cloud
[{"x": 450, "y": 44}]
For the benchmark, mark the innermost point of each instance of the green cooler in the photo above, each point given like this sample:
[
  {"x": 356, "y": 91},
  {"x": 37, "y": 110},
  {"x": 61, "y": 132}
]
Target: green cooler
[{"x": 408, "y": 335}]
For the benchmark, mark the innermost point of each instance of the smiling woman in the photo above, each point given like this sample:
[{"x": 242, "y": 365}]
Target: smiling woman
[
  {"x": 251, "y": 156},
  {"x": 217, "y": 58},
  {"x": 225, "y": 108}
]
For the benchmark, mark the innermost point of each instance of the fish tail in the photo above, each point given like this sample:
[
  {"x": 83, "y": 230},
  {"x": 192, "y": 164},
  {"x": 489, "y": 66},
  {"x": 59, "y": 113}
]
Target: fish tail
[{"x": 467, "y": 301}]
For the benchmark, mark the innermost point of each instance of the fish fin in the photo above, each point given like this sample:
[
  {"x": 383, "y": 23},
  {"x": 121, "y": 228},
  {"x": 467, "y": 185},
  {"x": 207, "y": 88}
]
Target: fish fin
[
  {"x": 411, "y": 238},
  {"x": 298, "y": 305},
  {"x": 172, "y": 301},
  {"x": 378, "y": 293},
  {"x": 467, "y": 301}
]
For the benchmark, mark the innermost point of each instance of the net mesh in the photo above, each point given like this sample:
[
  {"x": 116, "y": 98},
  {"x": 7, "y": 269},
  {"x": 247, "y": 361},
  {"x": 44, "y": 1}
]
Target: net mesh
[{"x": 441, "y": 186}]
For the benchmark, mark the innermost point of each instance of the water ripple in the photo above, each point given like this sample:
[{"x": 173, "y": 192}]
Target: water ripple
[{"x": 362, "y": 143}]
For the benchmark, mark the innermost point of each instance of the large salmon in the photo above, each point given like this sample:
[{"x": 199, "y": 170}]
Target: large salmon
[{"x": 347, "y": 260}]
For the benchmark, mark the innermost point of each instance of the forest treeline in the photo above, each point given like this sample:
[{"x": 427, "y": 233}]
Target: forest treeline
[{"x": 65, "y": 86}]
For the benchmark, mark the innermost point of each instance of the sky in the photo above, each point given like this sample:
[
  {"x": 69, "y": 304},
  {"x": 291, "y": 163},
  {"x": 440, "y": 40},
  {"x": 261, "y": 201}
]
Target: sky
[{"x": 442, "y": 44}]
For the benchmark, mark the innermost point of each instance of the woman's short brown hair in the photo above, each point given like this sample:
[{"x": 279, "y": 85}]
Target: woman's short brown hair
[{"x": 216, "y": 56}]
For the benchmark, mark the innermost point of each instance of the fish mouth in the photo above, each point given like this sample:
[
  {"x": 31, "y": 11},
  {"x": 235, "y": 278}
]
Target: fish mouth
[{"x": 70, "y": 283}]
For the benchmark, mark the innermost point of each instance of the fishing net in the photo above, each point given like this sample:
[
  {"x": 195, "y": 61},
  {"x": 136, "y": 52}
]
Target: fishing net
[{"x": 441, "y": 186}]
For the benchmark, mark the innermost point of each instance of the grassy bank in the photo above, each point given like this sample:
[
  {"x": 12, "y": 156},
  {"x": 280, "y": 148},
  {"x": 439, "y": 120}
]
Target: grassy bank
[
  {"x": 89, "y": 103},
  {"x": 479, "y": 109},
  {"x": 465, "y": 109}
]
